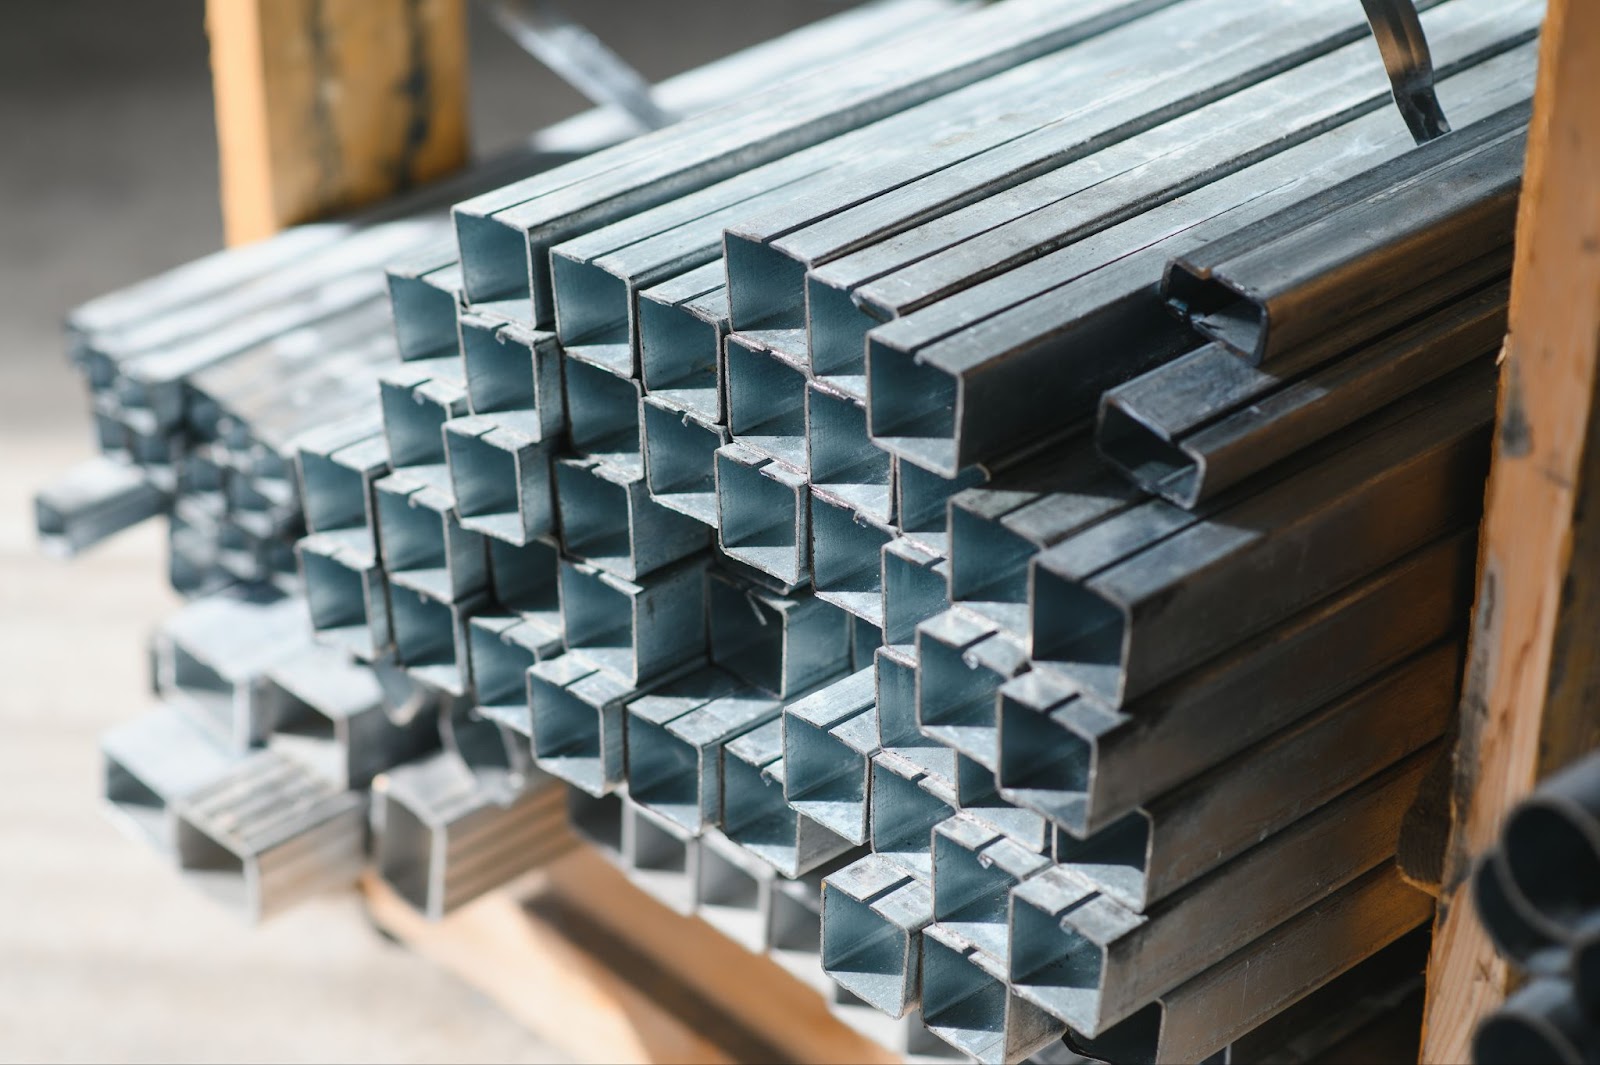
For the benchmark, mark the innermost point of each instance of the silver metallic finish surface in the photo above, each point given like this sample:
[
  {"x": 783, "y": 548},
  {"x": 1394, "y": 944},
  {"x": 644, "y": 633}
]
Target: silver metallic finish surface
[
  {"x": 96, "y": 499},
  {"x": 444, "y": 834},
  {"x": 269, "y": 834},
  {"x": 755, "y": 816}
]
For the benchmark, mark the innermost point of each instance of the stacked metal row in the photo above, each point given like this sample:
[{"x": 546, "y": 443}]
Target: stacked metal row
[
  {"x": 206, "y": 384},
  {"x": 742, "y": 477},
  {"x": 1537, "y": 894}
]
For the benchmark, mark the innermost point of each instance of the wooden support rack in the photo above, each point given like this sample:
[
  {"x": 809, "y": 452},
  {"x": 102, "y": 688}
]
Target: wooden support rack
[{"x": 602, "y": 971}]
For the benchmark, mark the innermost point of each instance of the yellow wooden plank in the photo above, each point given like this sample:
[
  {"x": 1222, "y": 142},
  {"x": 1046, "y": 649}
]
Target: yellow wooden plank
[
  {"x": 1530, "y": 699},
  {"x": 594, "y": 966},
  {"x": 557, "y": 990},
  {"x": 323, "y": 105}
]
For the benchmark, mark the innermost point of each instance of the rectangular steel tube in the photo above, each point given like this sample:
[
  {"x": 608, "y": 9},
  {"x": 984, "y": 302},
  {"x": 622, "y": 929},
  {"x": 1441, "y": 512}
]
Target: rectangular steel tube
[
  {"x": 505, "y": 236},
  {"x": 1100, "y": 963},
  {"x": 1156, "y": 850},
  {"x": 1208, "y": 425},
  {"x": 1122, "y": 629},
  {"x": 1447, "y": 205},
  {"x": 1223, "y": 1004},
  {"x": 1085, "y": 766},
  {"x": 1279, "y": 78},
  {"x": 943, "y": 383}
]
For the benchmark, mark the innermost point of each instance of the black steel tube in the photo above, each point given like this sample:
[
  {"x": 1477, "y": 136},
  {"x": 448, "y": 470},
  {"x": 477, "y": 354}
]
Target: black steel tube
[
  {"x": 1299, "y": 276},
  {"x": 1539, "y": 1024},
  {"x": 1188, "y": 430}
]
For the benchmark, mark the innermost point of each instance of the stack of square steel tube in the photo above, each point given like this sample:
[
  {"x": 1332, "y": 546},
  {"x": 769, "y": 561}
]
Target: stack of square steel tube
[{"x": 985, "y": 515}]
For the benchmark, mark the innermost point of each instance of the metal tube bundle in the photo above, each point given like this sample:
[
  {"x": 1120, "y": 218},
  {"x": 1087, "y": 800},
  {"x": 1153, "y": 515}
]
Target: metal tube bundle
[
  {"x": 1535, "y": 894},
  {"x": 236, "y": 396},
  {"x": 743, "y": 479}
]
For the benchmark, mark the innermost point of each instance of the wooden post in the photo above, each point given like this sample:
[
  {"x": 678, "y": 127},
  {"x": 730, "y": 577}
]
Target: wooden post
[
  {"x": 1532, "y": 698},
  {"x": 324, "y": 105}
]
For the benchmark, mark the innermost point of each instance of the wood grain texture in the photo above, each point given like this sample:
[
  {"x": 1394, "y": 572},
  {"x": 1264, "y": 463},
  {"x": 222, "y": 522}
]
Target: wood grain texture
[
  {"x": 597, "y": 968},
  {"x": 1532, "y": 695},
  {"x": 324, "y": 105}
]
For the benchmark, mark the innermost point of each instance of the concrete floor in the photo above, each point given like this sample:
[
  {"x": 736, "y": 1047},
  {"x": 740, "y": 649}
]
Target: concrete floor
[{"x": 108, "y": 175}]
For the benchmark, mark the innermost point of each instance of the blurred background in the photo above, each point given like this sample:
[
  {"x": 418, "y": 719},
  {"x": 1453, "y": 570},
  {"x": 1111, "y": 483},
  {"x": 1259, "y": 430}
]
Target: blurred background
[{"x": 109, "y": 175}]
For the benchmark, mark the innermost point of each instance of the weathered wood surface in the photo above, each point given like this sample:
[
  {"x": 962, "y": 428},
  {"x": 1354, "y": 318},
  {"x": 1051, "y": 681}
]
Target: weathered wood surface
[
  {"x": 324, "y": 105},
  {"x": 604, "y": 972},
  {"x": 1532, "y": 699}
]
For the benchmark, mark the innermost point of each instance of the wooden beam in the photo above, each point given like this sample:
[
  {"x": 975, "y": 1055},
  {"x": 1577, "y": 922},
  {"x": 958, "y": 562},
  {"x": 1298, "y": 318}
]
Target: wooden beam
[
  {"x": 1532, "y": 697},
  {"x": 324, "y": 105},
  {"x": 598, "y": 969}
]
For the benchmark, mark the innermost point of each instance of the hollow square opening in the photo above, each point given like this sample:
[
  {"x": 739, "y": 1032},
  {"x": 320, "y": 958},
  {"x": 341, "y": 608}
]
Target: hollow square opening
[
  {"x": 962, "y": 1004},
  {"x": 903, "y": 816},
  {"x": 766, "y": 402},
  {"x": 897, "y": 702},
  {"x": 334, "y": 495},
  {"x": 1079, "y": 630},
  {"x": 591, "y": 304},
  {"x": 747, "y": 634},
  {"x": 988, "y": 562},
  {"x": 1048, "y": 953},
  {"x": 424, "y": 317},
  {"x": 524, "y": 578},
  {"x": 413, "y": 537},
  {"x": 414, "y": 425},
  {"x": 841, "y": 452},
  {"x": 679, "y": 352},
  {"x": 865, "y": 639},
  {"x": 598, "y": 616},
  {"x": 1116, "y": 856},
  {"x": 766, "y": 288},
  {"x": 596, "y": 519},
  {"x": 499, "y": 370},
  {"x": 654, "y": 849},
  {"x": 956, "y": 698},
  {"x": 485, "y": 477},
  {"x": 838, "y": 329},
  {"x": 924, "y": 495},
  {"x": 212, "y": 868},
  {"x": 424, "y": 629},
  {"x": 602, "y": 410},
  {"x": 1040, "y": 759},
  {"x": 845, "y": 553},
  {"x": 823, "y": 774},
  {"x": 663, "y": 772},
  {"x": 494, "y": 257},
  {"x": 680, "y": 454},
  {"x": 499, "y": 666},
  {"x": 137, "y": 802},
  {"x": 911, "y": 408},
  {"x": 913, "y": 592},
  {"x": 967, "y": 890},
  {"x": 730, "y": 898},
  {"x": 758, "y": 519},
  {"x": 598, "y": 819},
  {"x": 865, "y": 952},
  {"x": 334, "y": 592},
  {"x": 203, "y": 687},
  {"x": 1154, "y": 463},
  {"x": 405, "y": 854},
  {"x": 755, "y": 814},
  {"x": 797, "y": 925},
  {"x": 1216, "y": 310},
  {"x": 565, "y": 727}
]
